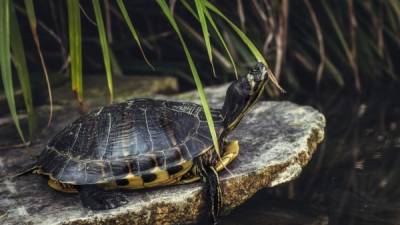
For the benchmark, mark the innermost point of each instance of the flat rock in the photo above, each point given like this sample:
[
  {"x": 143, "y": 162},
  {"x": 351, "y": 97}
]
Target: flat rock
[
  {"x": 125, "y": 87},
  {"x": 277, "y": 139}
]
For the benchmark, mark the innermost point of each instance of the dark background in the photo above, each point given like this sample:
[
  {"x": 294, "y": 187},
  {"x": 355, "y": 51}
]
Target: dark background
[{"x": 353, "y": 178}]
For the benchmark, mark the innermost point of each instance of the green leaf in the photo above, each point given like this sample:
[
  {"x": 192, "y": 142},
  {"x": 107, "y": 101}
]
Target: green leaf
[
  {"x": 117, "y": 70},
  {"x": 104, "y": 46},
  {"x": 338, "y": 31},
  {"x": 75, "y": 47},
  {"x": 132, "y": 29},
  {"x": 202, "y": 19},
  {"x": 199, "y": 86},
  {"x": 5, "y": 62},
  {"x": 213, "y": 24},
  {"x": 395, "y": 5},
  {"x": 189, "y": 8},
  {"x": 257, "y": 54},
  {"x": 335, "y": 72},
  {"x": 30, "y": 10},
  {"x": 221, "y": 39},
  {"x": 18, "y": 52}
]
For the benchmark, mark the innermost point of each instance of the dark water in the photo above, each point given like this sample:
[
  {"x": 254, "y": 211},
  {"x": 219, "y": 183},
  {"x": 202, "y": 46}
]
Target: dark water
[{"x": 354, "y": 177}]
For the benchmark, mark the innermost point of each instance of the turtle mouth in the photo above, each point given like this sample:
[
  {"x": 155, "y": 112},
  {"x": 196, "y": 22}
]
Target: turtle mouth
[
  {"x": 260, "y": 76},
  {"x": 258, "y": 72}
]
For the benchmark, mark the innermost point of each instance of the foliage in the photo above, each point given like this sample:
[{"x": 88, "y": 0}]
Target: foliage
[
  {"x": 310, "y": 45},
  {"x": 75, "y": 39},
  {"x": 5, "y": 61},
  {"x": 75, "y": 47},
  {"x": 348, "y": 44}
]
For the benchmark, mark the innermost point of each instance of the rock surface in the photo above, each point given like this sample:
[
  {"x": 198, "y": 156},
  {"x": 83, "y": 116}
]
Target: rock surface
[
  {"x": 277, "y": 139},
  {"x": 125, "y": 87}
]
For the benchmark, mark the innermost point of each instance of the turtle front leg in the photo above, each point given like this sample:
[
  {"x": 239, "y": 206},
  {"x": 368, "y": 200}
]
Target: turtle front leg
[
  {"x": 96, "y": 198},
  {"x": 213, "y": 190},
  {"x": 231, "y": 151},
  {"x": 209, "y": 175}
]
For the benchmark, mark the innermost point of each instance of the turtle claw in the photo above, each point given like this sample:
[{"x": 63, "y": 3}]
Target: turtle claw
[{"x": 95, "y": 198}]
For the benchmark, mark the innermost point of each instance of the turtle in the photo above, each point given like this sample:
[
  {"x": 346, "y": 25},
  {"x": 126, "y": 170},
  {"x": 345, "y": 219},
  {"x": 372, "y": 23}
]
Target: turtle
[{"x": 144, "y": 143}]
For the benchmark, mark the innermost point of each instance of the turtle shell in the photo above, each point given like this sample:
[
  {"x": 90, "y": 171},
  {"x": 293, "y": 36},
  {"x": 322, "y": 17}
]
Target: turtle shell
[{"x": 132, "y": 137}]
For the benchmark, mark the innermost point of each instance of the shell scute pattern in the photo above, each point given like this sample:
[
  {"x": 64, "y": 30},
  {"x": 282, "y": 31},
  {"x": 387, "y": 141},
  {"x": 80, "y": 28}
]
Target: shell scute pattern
[
  {"x": 133, "y": 137},
  {"x": 173, "y": 156},
  {"x": 186, "y": 154},
  {"x": 120, "y": 167},
  {"x": 146, "y": 163},
  {"x": 74, "y": 171},
  {"x": 160, "y": 159}
]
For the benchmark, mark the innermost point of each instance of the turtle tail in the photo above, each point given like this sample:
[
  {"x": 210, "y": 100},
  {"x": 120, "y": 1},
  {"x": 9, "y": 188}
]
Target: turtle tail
[{"x": 30, "y": 168}]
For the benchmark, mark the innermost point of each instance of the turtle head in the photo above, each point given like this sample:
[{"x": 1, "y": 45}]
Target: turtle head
[{"x": 242, "y": 94}]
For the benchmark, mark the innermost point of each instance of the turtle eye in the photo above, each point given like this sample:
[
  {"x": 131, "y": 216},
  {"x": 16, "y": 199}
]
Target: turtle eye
[{"x": 255, "y": 71}]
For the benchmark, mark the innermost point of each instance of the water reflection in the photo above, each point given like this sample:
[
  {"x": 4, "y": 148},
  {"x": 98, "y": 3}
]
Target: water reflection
[{"x": 354, "y": 176}]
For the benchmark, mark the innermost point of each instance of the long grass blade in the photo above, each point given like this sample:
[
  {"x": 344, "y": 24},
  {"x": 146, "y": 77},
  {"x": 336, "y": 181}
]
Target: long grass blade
[
  {"x": 75, "y": 47},
  {"x": 320, "y": 39},
  {"x": 189, "y": 8},
  {"x": 164, "y": 7},
  {"x": 30, "y": 11},
  {"x": 128, "y": 21},
  {"x": 19, "y": 60},
  {"x": 343, "y": 42},
  {"x": 117, "y": 70},
  {"x": 330, "y": 67},
  {"x": 335, "y": 72},
  {"x": 259, "y": 57},
  {"x": 202, "y": 19},
  {"x": 395, "y": 5},
  {"x": 104, "y": 46},
  {"x": 216, "y": 30},
  {"x": 5, "y": 62},
  {"x": 221, "y": 39}
]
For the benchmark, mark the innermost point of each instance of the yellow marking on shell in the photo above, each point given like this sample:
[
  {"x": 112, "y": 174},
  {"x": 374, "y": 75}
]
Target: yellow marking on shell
[
  {"x": 51, "y": 177},
  {"x": 162, "y": 177},
  {"x": 58, "y": 186},
  {"x": 134, "y": 181},
  {"x": 171, "y": 181},
  {"x": 186, "y": 166}
]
